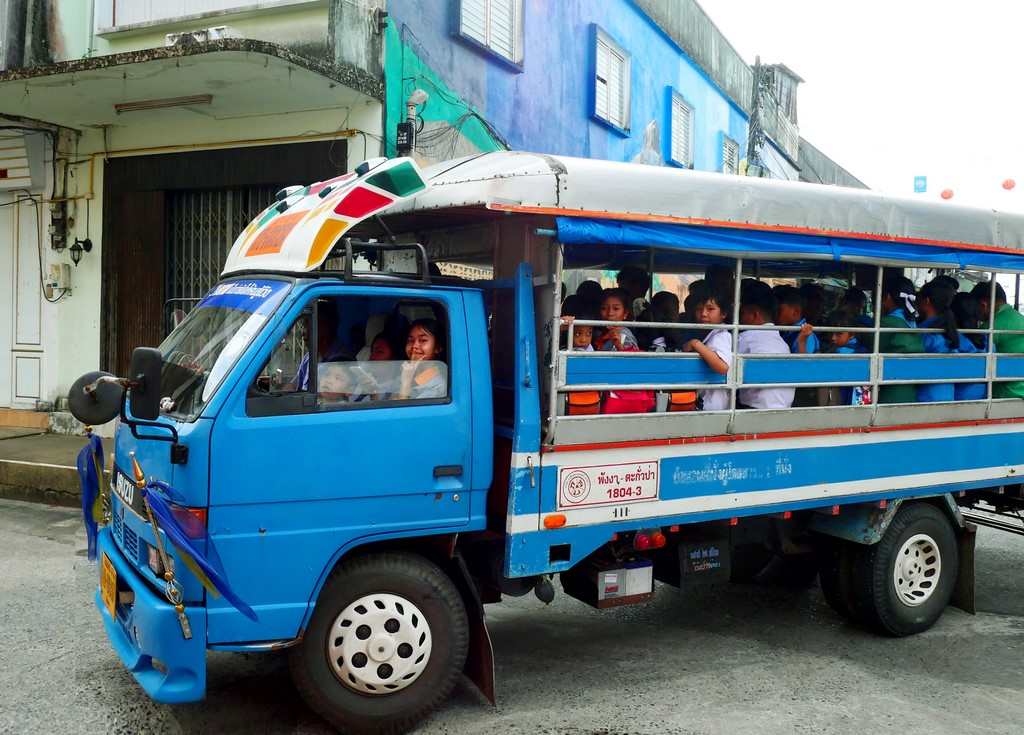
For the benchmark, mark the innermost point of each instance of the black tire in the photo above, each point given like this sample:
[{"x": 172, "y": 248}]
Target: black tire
[
  {"x": 836, "y": 563},
  {"x": 424, "y": 585},
  {"x": 875, "y": 588}
]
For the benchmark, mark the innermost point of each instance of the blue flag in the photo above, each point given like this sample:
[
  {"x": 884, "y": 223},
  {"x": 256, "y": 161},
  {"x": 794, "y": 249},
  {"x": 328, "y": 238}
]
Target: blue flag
[
  {"x": 206, "y": 567},
  {"x": 90, "y": 475}
]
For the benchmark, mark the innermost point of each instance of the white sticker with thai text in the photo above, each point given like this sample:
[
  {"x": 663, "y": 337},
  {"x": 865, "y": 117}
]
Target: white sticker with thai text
[{"x": 607, "y": 484}]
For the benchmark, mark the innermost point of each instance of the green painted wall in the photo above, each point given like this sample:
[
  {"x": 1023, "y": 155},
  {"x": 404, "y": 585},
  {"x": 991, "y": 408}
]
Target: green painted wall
[{"x": 445, "y": 114}]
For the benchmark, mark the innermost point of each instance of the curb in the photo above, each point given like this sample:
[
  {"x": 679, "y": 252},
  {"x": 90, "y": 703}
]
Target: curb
[{"x": 39, "y": 482}]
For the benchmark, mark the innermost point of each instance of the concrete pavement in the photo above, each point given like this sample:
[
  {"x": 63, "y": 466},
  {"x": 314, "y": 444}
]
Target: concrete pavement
[{"x": 743, "y": 659}]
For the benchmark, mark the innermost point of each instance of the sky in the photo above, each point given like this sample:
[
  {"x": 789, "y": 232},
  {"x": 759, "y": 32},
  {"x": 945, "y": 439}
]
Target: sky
[{"x": 900, "y": 88}]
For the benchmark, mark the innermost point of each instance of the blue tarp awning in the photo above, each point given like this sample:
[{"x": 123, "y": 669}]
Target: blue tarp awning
[{"x": 708, "y": 244}]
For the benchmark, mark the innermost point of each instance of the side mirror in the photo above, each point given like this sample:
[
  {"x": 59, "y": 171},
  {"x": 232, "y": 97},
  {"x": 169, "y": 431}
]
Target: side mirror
[
  {"x": 101, "y": 403},
  {"x": 144, "y": 396}
]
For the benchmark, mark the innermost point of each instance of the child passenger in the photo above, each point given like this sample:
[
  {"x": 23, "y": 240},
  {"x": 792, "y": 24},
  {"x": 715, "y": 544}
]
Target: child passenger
[
  {"x": 899, "y": 306},
  {"x": 756, "y": 309},
  {"x": 583, "y": 335},
  {"x": 615, "y": 307},
  {"x": 846, "y": 343},
  {"x": 715, "y": 349},
  {"x": 935, "y": 302}
]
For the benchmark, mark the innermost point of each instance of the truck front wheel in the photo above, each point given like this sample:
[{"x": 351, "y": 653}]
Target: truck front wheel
[
  {"x": 385, "y": 645},
  {"x": 905, "y": 581}
]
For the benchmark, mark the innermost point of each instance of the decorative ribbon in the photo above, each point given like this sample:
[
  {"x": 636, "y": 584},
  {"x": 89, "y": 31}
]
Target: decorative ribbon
[
  {"x": 90, "y": 475},
  {"x": 206, "y": 566}
]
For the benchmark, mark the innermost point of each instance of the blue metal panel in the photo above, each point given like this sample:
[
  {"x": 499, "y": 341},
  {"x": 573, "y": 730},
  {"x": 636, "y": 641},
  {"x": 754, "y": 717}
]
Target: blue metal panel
[
  {"x": 478, "y": 366},
  {"x": 739, "y": 472},
  {"x": 527, "y": 387},
  {"x": 530, "y": 552},
  {"x": 806, "y": 370},
  {"x": 149, "y": 630},
  {"x": 804, "y": 470},
  {"x": 1009, "y": 367},
  {"x": 289, "y": 492},
  {"x": 933, "y": 368},
  {"x": 639, "y": 370}
]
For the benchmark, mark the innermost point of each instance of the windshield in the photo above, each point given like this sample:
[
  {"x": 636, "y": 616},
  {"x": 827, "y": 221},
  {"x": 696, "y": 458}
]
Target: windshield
[{"x": 198, "y": 354}]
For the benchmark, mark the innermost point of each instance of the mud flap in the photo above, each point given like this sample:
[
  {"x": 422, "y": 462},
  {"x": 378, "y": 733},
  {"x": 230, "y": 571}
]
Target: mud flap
[
  {"x": 479, "y": 667},
  {"x": 963, "y": 593}
]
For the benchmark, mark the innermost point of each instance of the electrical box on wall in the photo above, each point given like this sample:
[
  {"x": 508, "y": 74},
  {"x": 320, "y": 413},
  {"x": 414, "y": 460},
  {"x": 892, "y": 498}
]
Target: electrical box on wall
[
  {"x": 23, "y": 158},
  {"x": 58, "y": 281}
]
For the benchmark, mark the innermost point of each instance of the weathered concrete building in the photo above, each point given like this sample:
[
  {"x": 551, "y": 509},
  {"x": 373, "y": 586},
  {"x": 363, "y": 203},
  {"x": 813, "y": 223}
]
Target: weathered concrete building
[{"x": 138, "y": 137}]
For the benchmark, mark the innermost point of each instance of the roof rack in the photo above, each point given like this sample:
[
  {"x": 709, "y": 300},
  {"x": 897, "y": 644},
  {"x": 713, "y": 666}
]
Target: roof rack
[{"x": 349, "y": 248}]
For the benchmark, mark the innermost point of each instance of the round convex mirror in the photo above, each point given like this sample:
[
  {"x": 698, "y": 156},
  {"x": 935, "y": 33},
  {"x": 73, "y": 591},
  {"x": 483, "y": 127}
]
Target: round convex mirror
[{"x": 98, "y": 407}]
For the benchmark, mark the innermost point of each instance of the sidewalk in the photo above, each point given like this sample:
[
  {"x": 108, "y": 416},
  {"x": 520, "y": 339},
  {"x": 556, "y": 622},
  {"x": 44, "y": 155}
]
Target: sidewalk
[{"x": 39, "y": 467}]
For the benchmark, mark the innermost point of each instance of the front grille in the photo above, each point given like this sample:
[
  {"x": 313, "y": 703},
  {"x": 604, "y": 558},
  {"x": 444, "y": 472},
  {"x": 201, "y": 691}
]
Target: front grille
[
  {"x": 117, "y": 524},
  {"x": 131, "y": 543}
]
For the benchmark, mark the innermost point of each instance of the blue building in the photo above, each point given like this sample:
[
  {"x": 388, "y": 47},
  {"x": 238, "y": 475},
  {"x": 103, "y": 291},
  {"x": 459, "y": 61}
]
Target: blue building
[{"x": 627, "y": 80}]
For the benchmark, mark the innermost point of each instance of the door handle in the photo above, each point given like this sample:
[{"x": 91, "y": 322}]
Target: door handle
[{"x": 448, "y": 470}]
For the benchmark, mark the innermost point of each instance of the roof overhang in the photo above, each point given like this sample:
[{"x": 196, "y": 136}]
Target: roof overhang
[{"x": 241, "y": 76}]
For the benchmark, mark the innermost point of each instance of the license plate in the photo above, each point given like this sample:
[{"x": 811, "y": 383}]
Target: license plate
[{"x": 108, "y": 585}]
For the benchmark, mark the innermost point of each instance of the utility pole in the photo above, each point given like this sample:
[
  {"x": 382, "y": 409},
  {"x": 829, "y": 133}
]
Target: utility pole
[{"x": 755, "y": 135}]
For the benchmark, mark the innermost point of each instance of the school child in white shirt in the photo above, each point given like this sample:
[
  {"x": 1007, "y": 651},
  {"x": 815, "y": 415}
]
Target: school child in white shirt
[
  {"x": 757, "y": 309},
  {"x": 715, "y": 349}
]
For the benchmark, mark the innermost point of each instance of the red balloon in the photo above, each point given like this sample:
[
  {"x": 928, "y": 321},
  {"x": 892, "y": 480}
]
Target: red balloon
[
  {"x": 1009, "y": 184},
  {"x": 946, "y": 194}
]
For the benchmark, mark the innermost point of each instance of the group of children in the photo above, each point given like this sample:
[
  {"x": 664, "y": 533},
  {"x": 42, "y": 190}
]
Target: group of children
[{"x": 939, "y": 304}]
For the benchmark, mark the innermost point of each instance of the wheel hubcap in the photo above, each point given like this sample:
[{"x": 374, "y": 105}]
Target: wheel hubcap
[
  {"x": 917, "y": 569},
  {"x": 379, "y": 644}
]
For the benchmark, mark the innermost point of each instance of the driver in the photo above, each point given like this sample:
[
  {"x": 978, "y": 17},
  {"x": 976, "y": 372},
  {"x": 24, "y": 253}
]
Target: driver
[{"x": 329, "y": 346}]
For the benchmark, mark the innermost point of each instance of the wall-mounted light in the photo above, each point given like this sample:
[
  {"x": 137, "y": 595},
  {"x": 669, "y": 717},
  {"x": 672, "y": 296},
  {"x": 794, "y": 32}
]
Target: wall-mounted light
[
  {"x": 79, "y": 247},
  {"x": 159, "y": 104}
]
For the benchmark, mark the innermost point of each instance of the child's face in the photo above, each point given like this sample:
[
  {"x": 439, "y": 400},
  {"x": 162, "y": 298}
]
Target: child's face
[
  {"x": 788, "y": 314},
  {"x": 613, "y": 310},
  {"x": 582, "y": 336},
  {"x": 841, "y": 339},
  {"x": 709, "y": 312},
  {"x": 381, "y": 350}
]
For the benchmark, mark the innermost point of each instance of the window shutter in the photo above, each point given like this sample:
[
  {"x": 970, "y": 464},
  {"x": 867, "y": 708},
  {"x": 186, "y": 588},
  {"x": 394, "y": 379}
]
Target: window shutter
[
  {"x": 492, "y": 23},
  {"x": 610, "y": 84},
  {"x": 730, "y": 156},
  {"x": 502, "y": 27},
  {"x": 681, "y": 123},
  {"x": 602, "y": 97},
  {"x": 474, "y": 20}
]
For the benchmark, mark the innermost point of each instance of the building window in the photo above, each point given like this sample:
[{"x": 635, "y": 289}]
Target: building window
[
  {"x": 681, "y": 126},
  {"x": 611, "y": 82},
  {"x": 730, "y": 155},
  {"x": 118, "y": 15},
  {"x": 495, "y": 25}
]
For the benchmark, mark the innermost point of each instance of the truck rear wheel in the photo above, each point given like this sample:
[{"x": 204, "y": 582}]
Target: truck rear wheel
[
  {"x": 837, "y": 560},
  {"x": 385, "y": 646},
  {"x": 904, "y": 582}
]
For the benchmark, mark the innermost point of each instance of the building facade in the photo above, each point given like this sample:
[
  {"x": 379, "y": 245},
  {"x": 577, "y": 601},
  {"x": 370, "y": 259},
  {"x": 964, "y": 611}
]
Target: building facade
[{"x": 137, "y": 137}]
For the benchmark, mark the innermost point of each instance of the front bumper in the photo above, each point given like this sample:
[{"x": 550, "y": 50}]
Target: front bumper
[{"x": 147, "y": 629}]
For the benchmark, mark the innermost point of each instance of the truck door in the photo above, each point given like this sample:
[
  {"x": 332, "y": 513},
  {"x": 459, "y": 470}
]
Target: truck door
[{"x": 316, "y": 453}]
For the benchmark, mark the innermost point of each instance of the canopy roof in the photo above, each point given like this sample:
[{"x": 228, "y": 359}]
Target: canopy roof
[{"x": 656, "y": 198}]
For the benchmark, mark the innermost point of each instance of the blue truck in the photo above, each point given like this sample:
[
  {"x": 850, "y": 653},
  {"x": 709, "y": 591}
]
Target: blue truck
[{"x": 366, "y": 431}]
